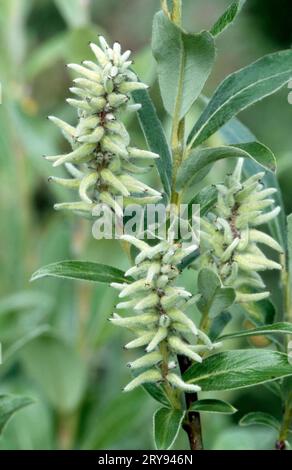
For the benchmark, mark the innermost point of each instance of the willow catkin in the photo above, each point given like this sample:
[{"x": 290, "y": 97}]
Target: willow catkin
[
  {"x": 102, "y": 163},
  {"x": 230, "y": 236}
]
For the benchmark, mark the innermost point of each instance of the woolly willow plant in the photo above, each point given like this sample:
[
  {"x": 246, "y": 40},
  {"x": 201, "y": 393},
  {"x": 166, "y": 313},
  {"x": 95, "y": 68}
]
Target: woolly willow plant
[{"x": 178, "y": 357}]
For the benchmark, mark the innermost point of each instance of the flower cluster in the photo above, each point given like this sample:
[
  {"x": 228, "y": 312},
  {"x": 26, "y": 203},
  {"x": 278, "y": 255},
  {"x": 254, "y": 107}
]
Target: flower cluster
[
  {"x": 159, "y": 321},
  {"x": 102, "y": 162},
  {"x": 229, "y": 237}
]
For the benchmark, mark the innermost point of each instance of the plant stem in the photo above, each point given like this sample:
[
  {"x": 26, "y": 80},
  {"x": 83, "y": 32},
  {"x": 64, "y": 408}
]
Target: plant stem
[
  {"x": 170, "y": 392},
  {"x": 287, "y": 316},
  {"x": 284, "y": 431},
  {"x": 192, "y": 423}
]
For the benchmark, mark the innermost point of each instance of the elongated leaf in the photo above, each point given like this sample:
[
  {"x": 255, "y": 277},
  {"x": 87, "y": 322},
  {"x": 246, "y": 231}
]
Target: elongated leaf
[
  {"x": 156, "y": 392},
  {"x": 82, "y": 270},
  {"x": 215, "y": 298},
  {"x": 155, "y": 137},
  {"x": 166, "y": 425},
  {"x": 227, "y": 18},
  {"x": 9, "y": 405},
  {"x": 218, "y": 324},
  {"x": 206, "y": 199},
  {"x": 283, "y": 328},
  {"x": 213, "y": 406},
  {"x": 240, "y": 90},
  {"x": 184, "y": 64},
  {"x": 232, "y": 370},
  {"x": 202, "y": 158},
  {"x": 260, "y": 418}
]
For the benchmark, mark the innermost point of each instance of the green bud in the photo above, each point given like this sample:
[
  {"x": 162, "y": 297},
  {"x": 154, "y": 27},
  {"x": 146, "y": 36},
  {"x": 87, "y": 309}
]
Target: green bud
[
  {"x": 89, "y": 74},
  {"x": 150, "y": 376},
  {"x": 149, "y": 359},
  {"x": 175, "y": 380},
  {"x": 129, "y": 87},
  {"x": 87, "y": 183},
  {"x": 114, "y": 181},
  {"x": 160, "y": 335},
  {"x": 67, "y": 183}
]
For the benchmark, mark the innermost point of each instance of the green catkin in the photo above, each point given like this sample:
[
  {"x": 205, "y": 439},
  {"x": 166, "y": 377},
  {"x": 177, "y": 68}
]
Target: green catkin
[
  {"x": 101, "y": 152},
  {"x": 229, "y": 240},
  {"x": 158, "y": 308}
]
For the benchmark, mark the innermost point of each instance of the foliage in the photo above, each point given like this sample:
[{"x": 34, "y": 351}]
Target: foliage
[{"x": 58, "y": 348}]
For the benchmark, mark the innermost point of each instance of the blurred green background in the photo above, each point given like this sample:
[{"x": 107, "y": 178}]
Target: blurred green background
[{"x": 57, "y": 345}]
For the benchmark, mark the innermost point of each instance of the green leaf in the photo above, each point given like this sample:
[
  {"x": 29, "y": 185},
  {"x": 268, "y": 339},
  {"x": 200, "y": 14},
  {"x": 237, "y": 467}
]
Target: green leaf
[
  {"x": 218, "y": 324},
  {"x": 206, "y": 199},
  {"x": 82, "y": 270},
  {"x": 215, "y": 298},
  {"x": 184, "y": 64},
  {"x": 237, "y": 369},
  {"x": 155, "y": 137},
  {"x": 9, "y": 405},
  {"x": 283, "y": 328},
  {"x": 202, "y": 158},
  {"x": 240, "y": 90},
  {"x": 156, "y": 392},
  {"x": 166, "y": 424},
  {"x": 213, "y": 406},
  {"x": 227, "y": 18},
  {"x": 260, "y": 313},
  {"x": 260, "y": 418},
  {"x": 58, "y": 370}
]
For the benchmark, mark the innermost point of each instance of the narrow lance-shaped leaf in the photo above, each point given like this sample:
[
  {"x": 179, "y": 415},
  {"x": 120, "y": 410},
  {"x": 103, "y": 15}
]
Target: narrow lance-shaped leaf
[
  {"x": 155, "y": 137},
  {"x": 227, "y": 18},
  {"x": 184, "y": 64},
  {"x": 260, "y": 418},
  {"x": 283, "y": 328},
  {"x": 166, "y": 425},
  {"x": 218, "y": 324},
  {"x": 9, "y": 405},
  {"x": 215, "y": 298},
  {"x": 203, "y": 158},
  {"x": 156, "y": 392},
  {"x": 82, "y": 270},
  {"x": 240, "y": 90},
  {"x": 206, "y": 199},
  {"x": 237, "y": 369},
  {"x": 210, "y": 405}
]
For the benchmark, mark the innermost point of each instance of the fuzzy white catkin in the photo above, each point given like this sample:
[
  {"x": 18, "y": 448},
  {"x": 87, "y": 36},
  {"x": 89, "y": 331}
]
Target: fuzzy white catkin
[
  {"x": 102, "y": 163},
  {"x": 230, "y": 235},
  {"x": 157, "y": 319}
]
